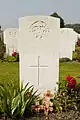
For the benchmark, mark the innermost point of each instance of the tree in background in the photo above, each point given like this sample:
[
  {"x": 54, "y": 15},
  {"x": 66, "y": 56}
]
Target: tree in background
[
  {"x": 62, "y": 24},
  {"x": 2, "y": 49},
  {"x": 76, "y": 27}
]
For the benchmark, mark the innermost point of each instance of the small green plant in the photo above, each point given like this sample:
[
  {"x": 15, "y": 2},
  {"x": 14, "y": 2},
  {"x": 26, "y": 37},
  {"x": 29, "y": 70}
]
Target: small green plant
[
  {"x": 2, "y": 49},
  {"x": 74, "y": 57},
  {"x": 24, "y": 100},
  {"x": 68, "y": 96},
  {"x": 13, "y": 58},
  {"x": 76, "y": 53},
  {"x": 14, "y": 102},
  {"x": 7, "y": 93}
]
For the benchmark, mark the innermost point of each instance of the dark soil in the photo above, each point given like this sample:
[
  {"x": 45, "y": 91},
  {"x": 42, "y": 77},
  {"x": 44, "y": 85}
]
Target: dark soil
[{"x": 70, "y": 115}]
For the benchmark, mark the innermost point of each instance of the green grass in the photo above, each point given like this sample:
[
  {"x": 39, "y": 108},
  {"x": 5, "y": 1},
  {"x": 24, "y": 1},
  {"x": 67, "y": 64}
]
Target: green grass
[
  {"x": 10, "y": 71},
  {"x": 70, "y": 68}
]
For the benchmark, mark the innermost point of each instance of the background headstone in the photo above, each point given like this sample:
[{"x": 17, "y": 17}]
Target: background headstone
[
  {"x": 67, "y": 42},
  {"x": 11, "y": 40}
]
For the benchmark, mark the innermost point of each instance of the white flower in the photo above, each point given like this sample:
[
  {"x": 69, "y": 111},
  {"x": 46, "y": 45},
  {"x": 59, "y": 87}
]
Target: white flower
[
  {"x": 51, "y": 109},
  {"x": 51, "y": 104}
]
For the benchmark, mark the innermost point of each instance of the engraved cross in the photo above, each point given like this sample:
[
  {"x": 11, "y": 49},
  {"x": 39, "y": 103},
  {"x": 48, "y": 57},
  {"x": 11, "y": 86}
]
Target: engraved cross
[{"x": 38, "y": 67}]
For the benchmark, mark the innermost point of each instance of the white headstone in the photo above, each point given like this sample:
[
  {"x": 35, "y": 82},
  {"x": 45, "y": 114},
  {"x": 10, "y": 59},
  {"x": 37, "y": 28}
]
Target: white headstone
[
  {"x": 74, "y": 39},
  {"x": 38, "y": 48},
  {"x": 11, "y": 40},
  {"x": 67, "y": 42}
]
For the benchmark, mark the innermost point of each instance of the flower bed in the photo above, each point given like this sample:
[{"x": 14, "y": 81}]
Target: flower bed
[{"x": 23, "y": 103}]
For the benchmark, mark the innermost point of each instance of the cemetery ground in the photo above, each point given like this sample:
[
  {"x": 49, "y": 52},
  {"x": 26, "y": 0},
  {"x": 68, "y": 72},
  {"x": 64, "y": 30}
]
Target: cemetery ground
[{"x": 9, "y": 71}]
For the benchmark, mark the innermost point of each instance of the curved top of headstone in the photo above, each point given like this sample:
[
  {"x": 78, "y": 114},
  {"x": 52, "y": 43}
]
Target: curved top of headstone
[
  {"x": 40, "y": 16},
  {"x": 65, "y": 29},
  {"x": 41, "y": 21},
  {"x": 10, "y": 33}
]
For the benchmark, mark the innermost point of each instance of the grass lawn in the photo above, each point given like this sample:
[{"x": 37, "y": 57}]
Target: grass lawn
[
  {"x": 10, "y": 71},
  {"x": 70, "y": 68}
]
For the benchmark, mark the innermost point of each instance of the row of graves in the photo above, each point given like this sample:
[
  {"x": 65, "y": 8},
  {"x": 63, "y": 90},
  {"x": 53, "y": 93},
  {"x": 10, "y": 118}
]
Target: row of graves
[{"x": 40, "y": 42}]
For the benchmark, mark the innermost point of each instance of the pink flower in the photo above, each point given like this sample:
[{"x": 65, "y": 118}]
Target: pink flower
[
  {"x": 46, "y": 108},
  {"x": 36, "y": 107}
]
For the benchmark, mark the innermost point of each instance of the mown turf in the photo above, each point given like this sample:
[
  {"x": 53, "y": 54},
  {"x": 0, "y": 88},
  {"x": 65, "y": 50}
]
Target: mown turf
[
  {"x": 10, "y": 71},
  {"x": 70, "y": 68}
]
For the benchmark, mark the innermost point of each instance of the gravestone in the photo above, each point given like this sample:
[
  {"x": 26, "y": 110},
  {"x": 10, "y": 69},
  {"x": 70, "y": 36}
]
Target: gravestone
[
  {"x": 67, "y": 42},
  {"x": 11, "y": 40},
  {"x": 74, "y": 39},
  {"x": 38, "y": 50}
]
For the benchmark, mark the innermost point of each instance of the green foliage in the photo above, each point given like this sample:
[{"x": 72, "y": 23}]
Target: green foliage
[
  {"x": 61, "y": 19},
  {"x": 13, "y": 58},
  {"x": 0, "y": 61},
  {"x": 74, "y": 57},
  {"x": 2, "y": 49},
  {"x": 76, "y": 54},
  {"x": 24, "y": 100},
  {"x": 7, "y": 93},
  {"x": 76, "y": 27},
  {"x": 64, "y": 60},
  {"x": 14, "y": 102},
  {"x": 67, "y": 98}
]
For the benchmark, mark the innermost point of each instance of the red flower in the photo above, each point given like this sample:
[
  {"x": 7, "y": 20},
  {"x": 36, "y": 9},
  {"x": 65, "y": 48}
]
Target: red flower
[
  {"x": 72, "y": 83},
  {"x": 14, "y": 54},
  {"x": 48, "y": 94},
  {"x": 68, "y": 78}
]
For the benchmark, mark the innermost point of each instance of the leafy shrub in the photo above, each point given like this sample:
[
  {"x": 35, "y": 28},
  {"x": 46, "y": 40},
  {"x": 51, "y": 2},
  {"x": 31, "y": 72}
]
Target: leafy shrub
[
  {"x": 14, "y": 58},
  {"x": 0, "y": 60},
  {"x": 7, "y": 93},
  {"x": 11, "y": 59},
  {"x": 2, "y": 49},
  {"x": 74, "y": 56},
  {"x": 14, "y": 102},
  {"x": 78, "y": 42},
  {"x": 64, "y": 60},
  {"x": 68, "y": 96},
  {"x": 24, "y": 100}
]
